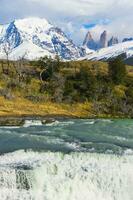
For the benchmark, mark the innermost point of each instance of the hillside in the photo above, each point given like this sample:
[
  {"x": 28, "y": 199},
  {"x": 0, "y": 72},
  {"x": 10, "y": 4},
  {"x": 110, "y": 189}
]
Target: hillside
[{"x": 74, "y": 89}]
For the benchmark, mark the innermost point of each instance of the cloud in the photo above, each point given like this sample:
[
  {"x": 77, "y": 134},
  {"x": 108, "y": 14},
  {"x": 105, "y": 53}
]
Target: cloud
[{"x": 75, "y": 16}]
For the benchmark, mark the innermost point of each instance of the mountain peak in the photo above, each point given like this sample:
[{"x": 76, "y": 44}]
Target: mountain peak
[
  {"x": 89, "y": 41},
  {"x": 103, "y": 39},
  {"x": 32, "y": 23},
  {"x": 35, "y": 36}
]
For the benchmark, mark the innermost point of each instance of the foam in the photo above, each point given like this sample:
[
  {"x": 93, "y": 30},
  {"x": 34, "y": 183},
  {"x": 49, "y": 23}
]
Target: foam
[
  {"x": 57, "y": 176},
  {"x": 29, "y": 123}
]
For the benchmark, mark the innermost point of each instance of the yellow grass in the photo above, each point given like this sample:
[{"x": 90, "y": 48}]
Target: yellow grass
[{"x": 23, "y": 107}]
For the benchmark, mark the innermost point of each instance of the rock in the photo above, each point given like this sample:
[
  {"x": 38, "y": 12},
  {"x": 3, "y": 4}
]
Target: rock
[
  {"x": 103, "y": 40},
  {"x": 89, "y": 42},
  {"x": 11, "y": 121},
  {"x": 127, "y": 39},
  {"x": 113, "y": 41},
  {"x": 48, "y": 121}
]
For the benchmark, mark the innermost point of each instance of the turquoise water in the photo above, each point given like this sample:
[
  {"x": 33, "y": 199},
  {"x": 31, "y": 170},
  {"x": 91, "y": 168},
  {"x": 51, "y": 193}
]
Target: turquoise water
[
  {"x": 67, "y": 160},
  {"x": 101, "y": 136}
]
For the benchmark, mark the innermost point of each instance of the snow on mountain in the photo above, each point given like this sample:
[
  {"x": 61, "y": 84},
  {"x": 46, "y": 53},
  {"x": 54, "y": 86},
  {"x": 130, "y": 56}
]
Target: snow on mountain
[
  {"x": 113, "y": 41},
  {"x": 34, "y": 38},
  {"x": 111, "y": 52},
  {"x": 30, "y": 51}
]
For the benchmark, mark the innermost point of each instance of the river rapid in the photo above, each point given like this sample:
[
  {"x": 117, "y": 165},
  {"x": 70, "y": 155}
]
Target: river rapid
[{"x": 71, "y": 159}]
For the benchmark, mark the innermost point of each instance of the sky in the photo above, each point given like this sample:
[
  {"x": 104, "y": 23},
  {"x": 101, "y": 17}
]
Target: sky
[{"x": 75, "y": 17}]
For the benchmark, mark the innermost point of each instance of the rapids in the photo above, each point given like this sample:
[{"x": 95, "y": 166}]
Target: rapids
[{"x": 67, "y": 160}]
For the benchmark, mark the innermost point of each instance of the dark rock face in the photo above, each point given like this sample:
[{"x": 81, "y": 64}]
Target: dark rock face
[
  {"x": 12, "y": 36},
  {"x": 113, "y": 41},
  {"x": 89, "y": 42},
  {"x": 95, "y": 45},
  {"x": 127, "y": 39},
  {"x": 103, "y": 40}
]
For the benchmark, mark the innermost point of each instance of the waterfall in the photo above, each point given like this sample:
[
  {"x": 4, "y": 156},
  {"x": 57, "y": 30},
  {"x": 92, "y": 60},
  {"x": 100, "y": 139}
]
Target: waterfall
[{"x": 58, "y": 176}]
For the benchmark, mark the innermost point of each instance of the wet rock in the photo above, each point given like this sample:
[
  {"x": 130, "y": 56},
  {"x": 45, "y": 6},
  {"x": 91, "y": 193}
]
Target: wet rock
[
  {"x": 11, "y": 122},
  {"x": 48, "y": 121}
]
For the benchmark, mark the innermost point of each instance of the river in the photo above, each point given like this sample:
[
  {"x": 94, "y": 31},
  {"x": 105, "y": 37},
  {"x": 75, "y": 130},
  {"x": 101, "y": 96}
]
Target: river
[{"x": 71, "y": 159}]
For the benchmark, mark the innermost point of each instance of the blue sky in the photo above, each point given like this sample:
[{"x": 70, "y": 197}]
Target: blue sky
[{"x": 75, "y": 17}]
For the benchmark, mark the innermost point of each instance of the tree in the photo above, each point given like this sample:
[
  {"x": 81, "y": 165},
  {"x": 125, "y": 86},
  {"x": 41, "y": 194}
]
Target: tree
[
  {"x": 7, "y": 50},
  {"x": 117, "y": 70},
  {"x": 46, "y": 64},
  {"x": 57, "y": 63},
  {"x": 49, "y": 67},
  {"x": 86, "y": 83},
  {"x": 20, "y": 66},
  {"x": 56, "y": 87}
]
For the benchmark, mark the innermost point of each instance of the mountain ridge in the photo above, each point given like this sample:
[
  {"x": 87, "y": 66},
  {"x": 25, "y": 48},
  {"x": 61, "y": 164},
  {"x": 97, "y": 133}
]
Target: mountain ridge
[
  {"x": 35, "y": 37},
  {"x": 39, "y": 34}
]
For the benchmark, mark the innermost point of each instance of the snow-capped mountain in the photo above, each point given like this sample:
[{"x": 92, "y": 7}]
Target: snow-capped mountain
[
  {"x": 34, "y": 38},
  {"x": 104, "y": 49},
  {"x": 112, "y": 51}
]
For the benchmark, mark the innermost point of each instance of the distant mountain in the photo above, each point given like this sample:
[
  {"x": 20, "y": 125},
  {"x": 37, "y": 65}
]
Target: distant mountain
[
  {"x": 102, "y": 42},
  {"x": 34, "y": 38},
  {"x": 104, "y": 49},
  {"x": 113, "y": 51}
]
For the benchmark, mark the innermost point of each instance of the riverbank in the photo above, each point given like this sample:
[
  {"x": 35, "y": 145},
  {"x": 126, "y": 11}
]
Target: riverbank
[
  {"x": 15, "y": 112},
  {"x": 20, "y": 107}
]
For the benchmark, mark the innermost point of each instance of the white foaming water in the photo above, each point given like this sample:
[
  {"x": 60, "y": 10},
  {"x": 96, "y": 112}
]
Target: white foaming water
[
  {"x": 60, "y": 123},
  {"x": 89, "y": 122},
  {"x": 10, "y": 127},
  {"x": 29, "y": 123},
  {"x": 55, "y": 176}
]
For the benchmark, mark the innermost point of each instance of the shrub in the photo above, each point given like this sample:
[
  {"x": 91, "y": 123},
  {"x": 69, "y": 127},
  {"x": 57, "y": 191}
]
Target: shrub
[{"x": 117, "y": 71}]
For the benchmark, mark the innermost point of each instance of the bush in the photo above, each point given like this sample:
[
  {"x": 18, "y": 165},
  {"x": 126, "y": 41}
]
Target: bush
[{"x": 117, "y": 71}]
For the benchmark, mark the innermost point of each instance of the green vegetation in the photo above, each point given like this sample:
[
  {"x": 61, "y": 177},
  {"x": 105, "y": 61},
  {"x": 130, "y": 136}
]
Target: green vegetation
[{"x": 76, "y": 88}]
